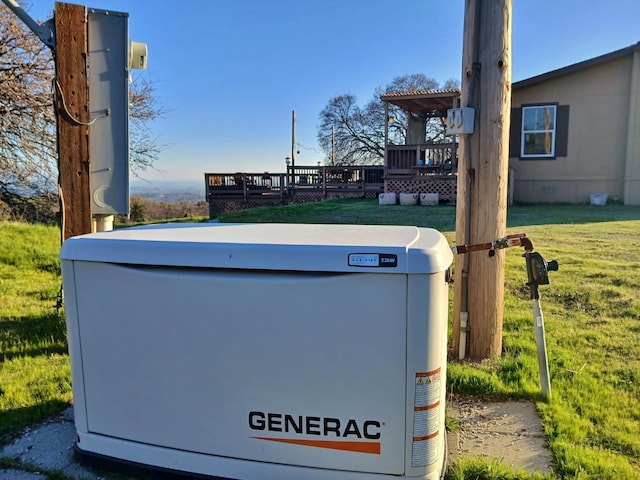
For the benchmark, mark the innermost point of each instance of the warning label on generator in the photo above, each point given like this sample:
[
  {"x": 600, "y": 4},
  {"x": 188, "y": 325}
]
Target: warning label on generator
[{"x": 426, "y": 418}]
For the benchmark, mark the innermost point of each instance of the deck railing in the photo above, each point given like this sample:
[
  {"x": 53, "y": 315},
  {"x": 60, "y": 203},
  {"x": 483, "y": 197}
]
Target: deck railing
[
  {"x": 337, "y": 177},
  {"x": 245, "y": 185},
  {"x": 423, "y": 159},
  {"x": 317, "y": 179}
]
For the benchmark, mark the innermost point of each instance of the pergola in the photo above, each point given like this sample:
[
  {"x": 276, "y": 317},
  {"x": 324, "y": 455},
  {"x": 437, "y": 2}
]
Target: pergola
[
  {"x": 410, "y": 159},
  {"x": 433, "y": 103}
]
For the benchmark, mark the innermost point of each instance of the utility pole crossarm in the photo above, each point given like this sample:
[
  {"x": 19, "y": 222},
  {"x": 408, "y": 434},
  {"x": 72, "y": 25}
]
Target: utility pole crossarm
[{"x": 45, "y": 31}]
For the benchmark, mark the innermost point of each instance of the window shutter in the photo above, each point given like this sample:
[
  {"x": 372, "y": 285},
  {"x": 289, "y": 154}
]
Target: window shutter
[
  {"x": 515, "y": 132},
  {"x": 562, "y": 130}
]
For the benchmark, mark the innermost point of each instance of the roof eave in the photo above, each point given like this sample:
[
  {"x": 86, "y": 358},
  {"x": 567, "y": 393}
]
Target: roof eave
[{"x": 576, "y": 67}]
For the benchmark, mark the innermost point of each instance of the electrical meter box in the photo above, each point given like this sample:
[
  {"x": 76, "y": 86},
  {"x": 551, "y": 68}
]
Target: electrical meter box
[
  {"x": 261, "y": 351},
  {"x": 108, "y": 76}
]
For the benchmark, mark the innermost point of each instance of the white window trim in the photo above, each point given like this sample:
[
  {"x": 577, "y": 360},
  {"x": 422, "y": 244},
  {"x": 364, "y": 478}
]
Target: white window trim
[{"x": 552, "y": 153}]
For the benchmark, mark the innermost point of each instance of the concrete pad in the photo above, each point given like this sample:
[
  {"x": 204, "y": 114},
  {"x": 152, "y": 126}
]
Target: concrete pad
[
  {"x": 510, "y": 432},
  {"x": 47, "y": 447}
]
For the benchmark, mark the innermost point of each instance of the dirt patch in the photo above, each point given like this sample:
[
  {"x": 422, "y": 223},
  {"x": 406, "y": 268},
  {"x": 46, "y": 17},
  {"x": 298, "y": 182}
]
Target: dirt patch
[{"x": 510, "y": 432}]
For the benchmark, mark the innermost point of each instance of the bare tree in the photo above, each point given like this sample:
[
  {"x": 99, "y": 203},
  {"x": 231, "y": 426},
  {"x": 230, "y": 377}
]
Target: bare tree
[
  {"x": 144, "y": 149},
  {"x": 357, "y": 134},
  {"x": 350, "y": 130},
  {"x": 27, "y": 120},
  {"x": 28, "y": 146}
]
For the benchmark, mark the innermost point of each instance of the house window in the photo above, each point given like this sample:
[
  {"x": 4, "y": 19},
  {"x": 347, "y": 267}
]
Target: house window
[{"x": 538, "y": 131}]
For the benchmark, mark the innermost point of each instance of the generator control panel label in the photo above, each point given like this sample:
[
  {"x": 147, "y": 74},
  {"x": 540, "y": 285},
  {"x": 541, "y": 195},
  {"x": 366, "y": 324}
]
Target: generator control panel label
[
  {"x": 426, "y": 418},
  {"x": 373, "y": 260}
]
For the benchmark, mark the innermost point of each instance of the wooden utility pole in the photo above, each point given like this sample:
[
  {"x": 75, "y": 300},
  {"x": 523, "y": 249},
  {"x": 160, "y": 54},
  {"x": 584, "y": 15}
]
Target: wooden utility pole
[
  {"x": 72, "y": 103},
  {"x": 482, "y": 177}
]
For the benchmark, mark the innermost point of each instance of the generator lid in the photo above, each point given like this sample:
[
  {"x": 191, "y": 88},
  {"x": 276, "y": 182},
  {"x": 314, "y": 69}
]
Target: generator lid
[{"x": 268, "y": 246}]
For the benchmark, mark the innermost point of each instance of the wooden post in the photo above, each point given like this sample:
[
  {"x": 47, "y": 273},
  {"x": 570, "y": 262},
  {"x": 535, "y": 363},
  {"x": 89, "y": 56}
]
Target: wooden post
[
  {"x": 72, "y": 93},
  {"x": 482, "y": 175}
]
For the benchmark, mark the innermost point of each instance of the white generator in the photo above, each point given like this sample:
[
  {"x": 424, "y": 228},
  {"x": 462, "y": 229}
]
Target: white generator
[{"x": 261, "y": 351}]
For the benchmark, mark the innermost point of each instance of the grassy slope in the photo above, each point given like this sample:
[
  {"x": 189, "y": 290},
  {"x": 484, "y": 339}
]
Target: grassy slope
[
  {"x": 34, "y": 367},
  {"x": 592, "y": 316}
]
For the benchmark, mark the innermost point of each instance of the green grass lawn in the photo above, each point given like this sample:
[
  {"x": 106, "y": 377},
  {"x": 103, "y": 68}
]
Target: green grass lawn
[
  {"x": 591, "y": 307},
  {"x": 34, "y": 367}
]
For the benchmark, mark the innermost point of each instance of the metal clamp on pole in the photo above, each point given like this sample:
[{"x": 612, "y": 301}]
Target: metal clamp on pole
[{"x": 514, "y": 240}]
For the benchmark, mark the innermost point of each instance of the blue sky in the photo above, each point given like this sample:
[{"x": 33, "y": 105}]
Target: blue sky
[{"x": 231, "y": 72}]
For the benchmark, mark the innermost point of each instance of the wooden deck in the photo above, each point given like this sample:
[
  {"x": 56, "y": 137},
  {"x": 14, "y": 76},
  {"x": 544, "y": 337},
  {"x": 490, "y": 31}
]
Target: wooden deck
[{"x": 301, "y": 184}]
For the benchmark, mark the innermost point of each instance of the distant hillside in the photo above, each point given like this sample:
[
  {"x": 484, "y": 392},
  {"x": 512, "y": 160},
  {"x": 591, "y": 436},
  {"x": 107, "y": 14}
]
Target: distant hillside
[{"x": 169, "y": 191}]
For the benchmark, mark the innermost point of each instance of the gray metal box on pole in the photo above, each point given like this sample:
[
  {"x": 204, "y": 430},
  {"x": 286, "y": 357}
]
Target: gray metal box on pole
[{"x": 108, "y": 40}]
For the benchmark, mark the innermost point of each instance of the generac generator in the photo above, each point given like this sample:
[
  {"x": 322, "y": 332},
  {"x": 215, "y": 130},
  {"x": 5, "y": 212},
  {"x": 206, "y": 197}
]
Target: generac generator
[{"x": 261, "y": 351}]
